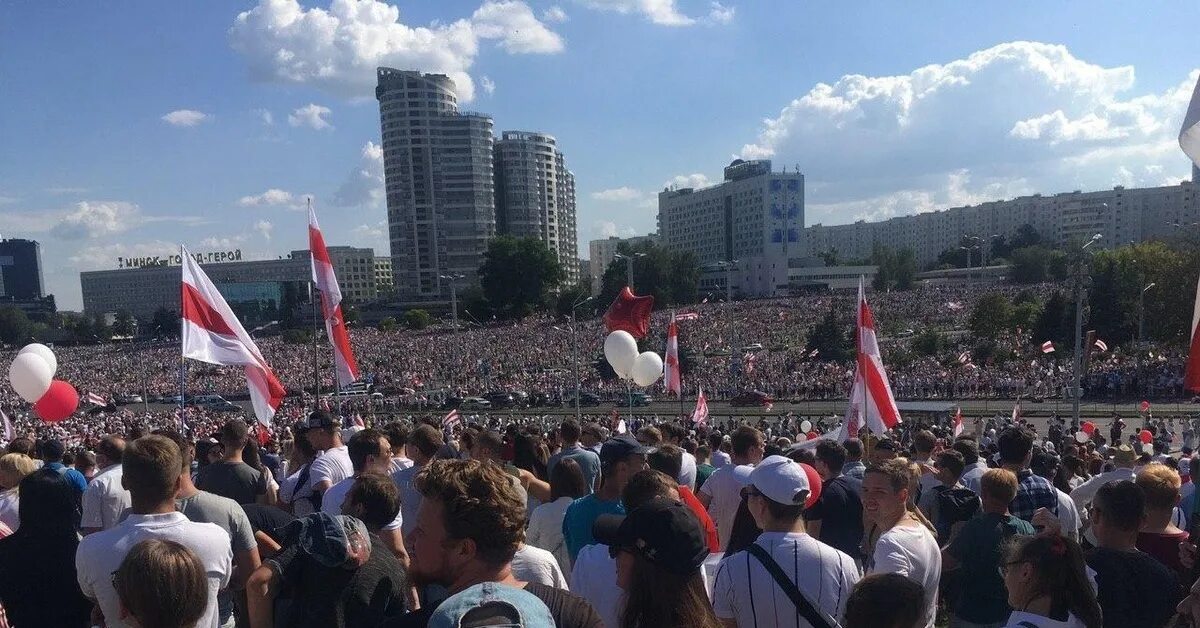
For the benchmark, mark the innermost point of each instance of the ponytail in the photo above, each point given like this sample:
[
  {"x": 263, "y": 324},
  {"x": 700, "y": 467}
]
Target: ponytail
[{"x": 1061, "y": 575}]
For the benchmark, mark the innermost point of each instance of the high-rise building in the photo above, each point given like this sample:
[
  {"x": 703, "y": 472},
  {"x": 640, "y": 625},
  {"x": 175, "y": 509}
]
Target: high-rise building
[
  {"x": 602, "y": 252},
  {"x": 383, "y": 276},
  {"x": 754, "y": 219},
  {"x": 439, "y": 184},
  {"x": 21, "y": 269},
  {"x": 535, "y": 195},
  {"x": 355, "y": 270}
]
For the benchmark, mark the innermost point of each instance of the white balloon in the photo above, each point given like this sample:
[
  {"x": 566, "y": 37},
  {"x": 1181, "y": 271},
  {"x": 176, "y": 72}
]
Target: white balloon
[
  {"x": 45, "y": 352},
  {"x": 30, "y": 376},
  {"x": 800, "y": 438},
  {"x": 620, "y": 349},
  {"x": 1081, "y": 437},
  {"x": 806, "y": 426},
  {"x": 647, "y": 368}
]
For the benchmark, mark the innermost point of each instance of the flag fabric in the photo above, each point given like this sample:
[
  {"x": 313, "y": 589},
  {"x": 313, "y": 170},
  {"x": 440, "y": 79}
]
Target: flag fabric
[
  {"x": 749, "y": 359},
  {"x": 1100, "y": 345},
  {"x": 451, "y": 421},
  {"x": 630, "y": 313},
  {"x": 621, "y": 429},
  {"x": 871, "y": 395},
  {"x": 358, "y": 420},
  {"x": 1189, "y": 133},
  {"x": 686, "y": 316},
  {"x": 1191, "y": 374},
  {"x": 9, "y": 432},
  {"x": 814, "y": 353},
  {"x": 331, "y": 303},
  {"x": 671, "y": 379},
  {"x": 964, "y": 357},
  {"x": 958, "y": 424},
  {"x": 1048, "y": 347},
  {"x": 212, "y": 334},
  {"x": 700, "y": 414},
  {"x": 1016, "y": 413},
  {"x": 954, "y": 306},
  {"x": 95, "y": 399}
]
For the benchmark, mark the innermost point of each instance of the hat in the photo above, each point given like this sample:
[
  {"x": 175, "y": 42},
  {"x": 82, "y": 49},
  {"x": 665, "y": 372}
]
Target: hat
[
  {"x": 664, "y": 532},
  {"x": 785, "y": 481},
  {"x": 619, "y": 447},
  {"x": 492, "y": 604},
  {"x": 1123, "y": 454},
  {"x": 322, "y": 419}
]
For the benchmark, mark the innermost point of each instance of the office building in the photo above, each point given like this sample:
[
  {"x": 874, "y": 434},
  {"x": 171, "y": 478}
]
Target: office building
[
  {"x": 1121, "y": 215},
  {"x": 535, "y": 195},
  {"x": 439, "y": 184},
  {"x": 355, "y": 270},
  {"x": 21, "y": 269},
  {"x": 383, "y": 277},
  {"x": 754, "y": 218},
  {"x": 602, "y": 252}
]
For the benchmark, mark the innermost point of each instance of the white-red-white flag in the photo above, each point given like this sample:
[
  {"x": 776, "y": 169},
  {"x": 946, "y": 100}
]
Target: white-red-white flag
[
  {"x": 9, "y": 432},
  {"x": 331, "y": 303},
  {"x": 1100, "y": 345},
  {"x": 1189, "y": 133},
  {"x": 212, "y": 334},
  {"x": 1048, "y": 347},
  {"x": 1191, "y": 374},
  {"x": 671, "y": 378},
  {"x": 871, "y": 396},
  {"x": 958, "y": 424},
  {"x": 451, "y": 421},
  {"x": 700, "y": 414},
  {"x": 358, "y": 420},
  {"x": 95, "y": 399},
  {"x": 1016, "y": 413},
  {"x": 749, "y": 359}
]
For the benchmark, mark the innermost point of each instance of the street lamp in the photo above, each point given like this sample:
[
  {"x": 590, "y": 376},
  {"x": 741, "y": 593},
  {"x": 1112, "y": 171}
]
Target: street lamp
[
  {"x": 629, "y": 266},
  {"x": 1077, "y": 367},
  {"x": 450, "y": 279},
  {"x": 729, "y": 265},
  {"x": 575, "y": 353},
  {"x": 1142, "y": 312}
]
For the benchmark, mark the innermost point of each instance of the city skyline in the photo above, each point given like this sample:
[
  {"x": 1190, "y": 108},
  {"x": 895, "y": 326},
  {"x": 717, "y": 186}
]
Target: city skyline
[{"x": 128, "y": 132}]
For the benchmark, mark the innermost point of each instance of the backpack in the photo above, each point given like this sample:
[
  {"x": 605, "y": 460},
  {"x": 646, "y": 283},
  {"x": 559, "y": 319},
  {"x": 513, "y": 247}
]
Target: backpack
[{"x": 954, "y": 505}]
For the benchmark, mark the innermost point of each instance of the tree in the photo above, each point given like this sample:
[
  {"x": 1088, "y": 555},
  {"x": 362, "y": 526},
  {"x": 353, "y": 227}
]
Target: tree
[
  {"x": 417, "y": 320},
  {"x": 350, "y": 314},
  {"x": 928, "y": 343},
  {"x": 828, "y": 337},
  {"x": 124, "y": 325},
  {"x": 570, "y": 296},
  {"x": 1024, "y": 315},
  {"x": 297, "y": 336},
  {"x": 1026, "y": 236},
  {"x": 518, "y": 274},
  {"x": 388, "y": 324},
  {"x": 904, "y": 269},
  {"x": 1056, "y": 321},
  {"x": 671, "y": 277},
  {"x": 15, "y": 327},
  {"x": 991, "y": 316},
  {"x": 897, "y": 269},
  {"x": 830, "y": 257},
  {"x": 1029, "y": 264},
  {"x": 165, "y": 322}
]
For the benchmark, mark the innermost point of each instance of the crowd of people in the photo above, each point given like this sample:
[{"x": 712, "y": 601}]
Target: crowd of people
[
  {"x": 770, "y": 353},
  {"x": 646, "y": 523}
]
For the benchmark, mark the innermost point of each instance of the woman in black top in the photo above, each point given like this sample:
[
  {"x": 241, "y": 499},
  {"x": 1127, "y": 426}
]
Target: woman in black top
[{"x": 38, "y": 584}]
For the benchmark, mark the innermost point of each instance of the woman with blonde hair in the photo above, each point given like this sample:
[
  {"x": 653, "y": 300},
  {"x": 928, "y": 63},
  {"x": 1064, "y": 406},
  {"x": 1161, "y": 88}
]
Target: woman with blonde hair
[
  {"x": 13, "y": 469},
  {"x": 161, "y": 584}
]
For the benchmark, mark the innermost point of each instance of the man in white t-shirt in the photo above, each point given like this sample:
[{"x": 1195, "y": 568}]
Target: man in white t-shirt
[
  {"x": 722, "y": 493},
  {"x": 423, "y": 444},
  {"x": 719, "y": 457},
  {"x": 334, "y": 464},
  {"x": 105, "y": 499},
  {"x": 152, "y": 467},
  {"x": 745, "y": 594},
  {"x": 369, "y": 452},
  {"x": 674, "y": 434},
  {"x": 397, "y": 434},
  {"x": 905, "y": 545},
  {"x": 534, "y": 564}
]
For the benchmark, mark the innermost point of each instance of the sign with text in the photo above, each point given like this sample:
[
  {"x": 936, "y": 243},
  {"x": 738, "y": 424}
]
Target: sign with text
[{"x": 210, "y": 257}]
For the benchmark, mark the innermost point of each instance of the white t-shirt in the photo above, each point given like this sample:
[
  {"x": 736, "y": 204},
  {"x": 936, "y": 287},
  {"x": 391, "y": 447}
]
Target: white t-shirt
[
  {"x": 299, "y": 496},
  {"x": 410, "y": 497},
  {"x": 746, "y": 592},
  {"x": 912, "y": 552},
  {"x": 101, "y": 553},
  {"x": 398, "y": 463},
  {"x": 1068, "y": 515},
  {"x": 725, "y": 488},
  {"x": 534, "y": 564},
  {"x": 594, "y": 578},
  {"x": 720, "y": 459},
  {"x": 333, "y": 499},
  {"x": 105, "y": 499},
  {"x": 687, "y": 471},
  {"x": 545, "y": 530},
  {"x": 334, "y": 465},
  {"x": 10, "y": 505},
  {"x": 1021, "y": 619}
]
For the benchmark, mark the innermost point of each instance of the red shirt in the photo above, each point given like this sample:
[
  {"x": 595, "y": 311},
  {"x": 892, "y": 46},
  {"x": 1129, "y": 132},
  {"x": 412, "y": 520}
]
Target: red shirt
[
  {"x": 710, "y": 530},
  {"x": 1164, "y": 548}
]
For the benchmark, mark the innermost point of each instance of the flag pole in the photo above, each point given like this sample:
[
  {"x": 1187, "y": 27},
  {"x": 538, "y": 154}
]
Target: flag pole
[
  {"x": 182, "y": 360},
  {"x": 312, "y": 292}
]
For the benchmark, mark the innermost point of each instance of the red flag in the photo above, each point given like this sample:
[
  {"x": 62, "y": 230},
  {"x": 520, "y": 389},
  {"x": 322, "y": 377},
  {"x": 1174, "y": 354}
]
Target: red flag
[
  {"x": 871, "y": 396},
  {"x": 212, "y": 334},
  {"x": 1191, "y": 374},
  {"x": 450, "y": 421},
  {"x": 749, "y": 359},
  {"x": 331, "y": 303},
  {"x": 700, "y": 414},
  {"x": 671, "y": 379},
  {"x": 630, "y": 313},
  {"x": 95, "y": 399},
  {"x": 958, "y": 424},
  {"x": 1048, "y": 347}
]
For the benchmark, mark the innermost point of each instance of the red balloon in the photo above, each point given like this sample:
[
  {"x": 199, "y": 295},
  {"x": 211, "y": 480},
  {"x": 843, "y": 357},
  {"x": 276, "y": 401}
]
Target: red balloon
[
  {"x": 1088, "y": 427},
  {"x": 814, "y": 481},
  {"x": 59, "y": 402},
  {"x": 1145, "y": 436},
  {"x": 813, "y": 434}
]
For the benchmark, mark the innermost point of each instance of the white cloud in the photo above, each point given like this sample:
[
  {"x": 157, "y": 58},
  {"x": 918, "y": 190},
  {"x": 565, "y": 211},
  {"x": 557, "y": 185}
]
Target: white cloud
[
  {"x": 695, "y": 180},
  {"x": 93, "y": 219},
  {"x": 7, "y": 200},
  {"x": 66, "y": 190},
  {"x": 1017, "y": 117},
  {"x": 185, "y": 117},
  {"x": 227, "y": 242},
  {"x": 311, "y": 116},
  {"x": 372, "y": 235},
  {"x": 488, "y": 85},
  {"x": 275, "y": 197},
  {"x": 337, "y": 50},
  {"x": 720, "y": 14},
  {"x": 104, "y": 256},
  {"x": 264, "y": 227},
  {"x": 554, "y": 14},
  {"x": 662, "y": 12},
  {"x": 364, "y": 185},
  {"x": 608, "y": 229},
  {"x": 268, "y": 119},
  {"x": 623, "y": 193}
]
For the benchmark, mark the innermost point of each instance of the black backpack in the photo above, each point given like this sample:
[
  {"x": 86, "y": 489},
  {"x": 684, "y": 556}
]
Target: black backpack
[{"x": 954, "y": 505}]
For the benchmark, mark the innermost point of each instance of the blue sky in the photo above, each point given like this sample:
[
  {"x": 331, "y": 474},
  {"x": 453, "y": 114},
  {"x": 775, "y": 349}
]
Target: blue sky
[{"x": 127, "y": 128}]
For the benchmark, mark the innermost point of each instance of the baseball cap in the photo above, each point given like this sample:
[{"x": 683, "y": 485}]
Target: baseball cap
[
  {"x": 662, "y": 531},
  {"x": 492, "y": 605},
  {"x": 322, "y": 419},
  {"x": 618, "y": 447},
  {"x": 1124, "y": 454},
  {"x": 786, "y": 481}
]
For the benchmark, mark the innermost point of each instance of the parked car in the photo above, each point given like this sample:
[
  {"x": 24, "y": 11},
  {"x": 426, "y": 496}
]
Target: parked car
[
  {"x": 757, "y": 346},
  {"x": 637, "y": 399},
  {"x": 126, "y": 399},
  {"x": 585, "y": 399},
  {"x": 751, "y": 398},
  {"x": 452, "y": 402},
  {"x": 499, "y": 399},
  {"x": 475, "y": 403}
]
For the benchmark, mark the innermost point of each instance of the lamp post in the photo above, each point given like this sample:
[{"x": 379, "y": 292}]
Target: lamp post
[
  {"x": 1142, "y": 312},
  {"x": 1077, "y": 367},
  {"x": 575, "y": 353},
  {"x": 729, "y": 265},
  {"x": 450, "y": 279},
  {"x": 629, "y": 266}
]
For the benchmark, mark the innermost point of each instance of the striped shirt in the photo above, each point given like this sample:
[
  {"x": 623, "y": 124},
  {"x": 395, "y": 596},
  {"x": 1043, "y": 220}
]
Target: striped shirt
[{"x": 744, "y": 591}]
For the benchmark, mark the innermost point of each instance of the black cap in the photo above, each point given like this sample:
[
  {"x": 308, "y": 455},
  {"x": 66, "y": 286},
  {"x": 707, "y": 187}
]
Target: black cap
[
  {"x": 664, "y": 532},
  {"x": 322, "y": 419},
  {"x": 621, "y": 446}
]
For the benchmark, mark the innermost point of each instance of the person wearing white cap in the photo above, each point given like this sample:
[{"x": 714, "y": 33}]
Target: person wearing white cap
[{"x": 786, "y": 577}]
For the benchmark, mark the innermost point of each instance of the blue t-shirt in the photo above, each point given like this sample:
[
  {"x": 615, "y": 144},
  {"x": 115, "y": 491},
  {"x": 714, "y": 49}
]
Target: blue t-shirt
[
  {"x": 587, "y": 460},
  {"x": 74, "y": 478},
  {"x": 581, "y": 514}
]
